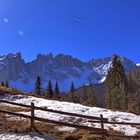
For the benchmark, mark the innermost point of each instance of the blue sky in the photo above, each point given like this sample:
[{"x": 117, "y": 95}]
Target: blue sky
[{"x": 85, "y": 29}]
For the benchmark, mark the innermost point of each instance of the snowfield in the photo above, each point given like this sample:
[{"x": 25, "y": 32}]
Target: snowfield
[
  {"x": 29, "y": 136},
  {"x": 79, "y": 109}
]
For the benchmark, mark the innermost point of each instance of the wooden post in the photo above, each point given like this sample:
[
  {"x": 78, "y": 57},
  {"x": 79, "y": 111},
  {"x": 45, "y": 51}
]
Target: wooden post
[
  {"x": 32, "y": 116},
  {"x": 102, "y": 125}
]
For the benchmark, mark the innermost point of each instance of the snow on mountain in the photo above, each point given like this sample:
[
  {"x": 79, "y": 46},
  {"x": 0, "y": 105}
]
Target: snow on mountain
[
  {"x": 102, "y": 80},
  {"x": 61, "y": 68},
  {"x": 103, "y": 68},
  {"x": 3, "y": 61},
  {"x": 79, "y": 109},
  {"x": 138, "y": 64}
]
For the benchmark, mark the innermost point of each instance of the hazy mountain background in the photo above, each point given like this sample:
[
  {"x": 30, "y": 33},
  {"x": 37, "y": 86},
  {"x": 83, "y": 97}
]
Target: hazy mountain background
[{"x": 61, "y": 68}]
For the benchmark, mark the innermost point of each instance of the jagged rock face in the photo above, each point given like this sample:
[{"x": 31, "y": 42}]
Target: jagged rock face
[
  {"x": 101, "y": 66},
  {"x": 49, "y": 67},
  {"x": 63, "y": 68},
  {"x": 10, "y": 66},
  {"x": 67, "y": 61}
]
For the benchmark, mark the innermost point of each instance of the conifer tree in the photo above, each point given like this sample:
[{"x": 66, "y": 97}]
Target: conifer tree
[
  {"x": 49, "y": 90},
  {"x": 6, "y": 84},
  {"x": 116, "y": 84},
  {"x": 38, "y": 86},
  {"x": 72, "y": 90},
  {"x": 56, "y": 91},
  {"x": 134, "y": 91},
  {"x": 2, "y": 84}
]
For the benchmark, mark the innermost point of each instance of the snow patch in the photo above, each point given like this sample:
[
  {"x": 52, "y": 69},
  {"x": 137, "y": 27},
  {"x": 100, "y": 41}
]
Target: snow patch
[
  {"x": 138, "y": 64},
  {"x": 22, "y": 136},
  {"x": 79, "y": 109},
  {"x": 103, "y": 68},
  {"x": 102, "y": 80}
]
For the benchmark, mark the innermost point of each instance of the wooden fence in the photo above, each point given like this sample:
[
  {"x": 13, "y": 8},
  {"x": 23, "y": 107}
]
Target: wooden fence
[{"x": 98, "y": 131}]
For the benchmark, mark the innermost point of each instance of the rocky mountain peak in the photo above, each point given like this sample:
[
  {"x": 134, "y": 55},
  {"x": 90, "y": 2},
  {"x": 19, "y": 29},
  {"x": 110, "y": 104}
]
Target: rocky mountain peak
[
  {"x": 11, "y": 65},
  {"x": 63, "y": 68},
  {"x": 67, "y": 60},
  {"x": 13, "y": 55},
  {"x": 42, "y": 57}
]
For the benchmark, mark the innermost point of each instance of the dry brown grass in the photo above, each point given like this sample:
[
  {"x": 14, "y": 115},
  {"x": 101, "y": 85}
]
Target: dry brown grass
[
  {"x": 23, "y": 126},
  {"x": 13, "y": 108},
  {"x": 87, "y": 135},
  {"x": 13, "y": 91},
  {"x": 71, "y": 137},
  {"x": 10, "y": 123}
]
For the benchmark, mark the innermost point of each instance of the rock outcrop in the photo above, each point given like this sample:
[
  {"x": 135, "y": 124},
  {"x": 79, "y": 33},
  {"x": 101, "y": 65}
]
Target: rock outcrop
[
  {"x": 61, "y": 68},
  {"x": 10, "y": 66}
]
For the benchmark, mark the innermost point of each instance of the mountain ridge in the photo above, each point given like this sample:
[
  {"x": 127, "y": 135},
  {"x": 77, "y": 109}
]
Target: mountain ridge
[{"x": 61, "y": 68}]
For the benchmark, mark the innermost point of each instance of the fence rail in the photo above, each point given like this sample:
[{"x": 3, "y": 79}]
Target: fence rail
[
  {"x": 121, "y": 123},
  {"x": 55, "y": 111},
  {"x": 101, "y": 120}
]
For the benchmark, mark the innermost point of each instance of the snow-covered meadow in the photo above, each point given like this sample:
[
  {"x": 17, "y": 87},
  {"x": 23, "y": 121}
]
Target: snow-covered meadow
[
  {"x": 79, "y": 109},
  {"x": 22, "y": 136}
]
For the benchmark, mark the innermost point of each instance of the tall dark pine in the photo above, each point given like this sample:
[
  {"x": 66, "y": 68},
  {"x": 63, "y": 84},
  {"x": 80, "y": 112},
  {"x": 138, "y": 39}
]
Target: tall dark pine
[
  {"x": 38, "y": 86},
  {"x": 72, "y": 90},
  {"x": 49, "y": 90},
  {"x": 7, "y": 84},
  {"x": 2, "y": 84},
  {"x": 116, "y": 84},
  {"x": 56, "y": 91}
]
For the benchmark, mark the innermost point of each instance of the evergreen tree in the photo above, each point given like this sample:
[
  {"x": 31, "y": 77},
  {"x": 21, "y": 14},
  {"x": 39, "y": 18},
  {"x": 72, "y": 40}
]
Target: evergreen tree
[
  {"x": 49, "y": 90},
  {"x": 56, "y": 91},
  {"x": 7, "y": 84},
  {"x": 2, "y": 84},
  {"x": 38, "y": 86},
  {"x": 72, "y": 90},
  {"x": 134, "y": 91},
  {"x": 116, "y": 84}
]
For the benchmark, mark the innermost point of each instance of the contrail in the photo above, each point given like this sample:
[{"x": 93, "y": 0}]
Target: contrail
[{"x": 77, "y": 19}]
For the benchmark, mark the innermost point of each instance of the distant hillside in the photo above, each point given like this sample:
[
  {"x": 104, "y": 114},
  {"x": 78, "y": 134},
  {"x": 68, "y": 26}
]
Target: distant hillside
[
  {"x": 98, "y": 89},
  {"x": 11, "y": 91}
]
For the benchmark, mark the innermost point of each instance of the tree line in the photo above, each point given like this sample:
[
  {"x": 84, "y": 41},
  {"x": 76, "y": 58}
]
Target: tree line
[
  {"x": 71, "y": 96},
  {"x": 49, "y": 91},
  {"x": 122, "y": 90},
  {"x": 5, "y": 84}
]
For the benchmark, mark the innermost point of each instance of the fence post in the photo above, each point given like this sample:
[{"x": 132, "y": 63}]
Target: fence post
[
  {"x": 32, "y": 116},
  {"x": 102, "y": 125}
]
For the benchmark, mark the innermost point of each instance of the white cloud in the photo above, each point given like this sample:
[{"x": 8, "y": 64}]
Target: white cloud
[
  {"x": 20, "y": 32},
  {"x": 6, "y": 20}
]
